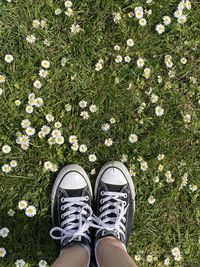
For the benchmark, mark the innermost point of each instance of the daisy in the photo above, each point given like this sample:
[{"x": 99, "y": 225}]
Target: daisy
[
  {"x": 124, "y": 158},
  {"x": 84, "y": 114},
  {"x": 68, "y": 4},
  {"x": 92, "y": 158},
  {"x": 30, "y": 211},
  {"x": 9, "y": 58},
  {"x": 22, "y": 204},
  {"x": 36, "y": 23},
  {"x": 117, "y": 47},
  {"x": 54, "y": 168},
  {"x": 118, "y": 59},
  {"x": 112, "y": 120},
  {"x": 30, "y": 39},
  {"x": 175, "y": 251},
  {"x": 93, "y": 108},
  {"x": 47, "y": 165},
  {"x": 139, "y": 12},
  {"x": 117, "y": 17},
  {"x": 49, "y": 117},
  {"x": 45, "y": 64},
  {"x": 46, "y": 129},
  {"x": 98, "y": 66},
  {"x": 160, "y": 28},
  {"x": 58, "y": 11},
  {"x": 138, "y": 257},
  {"x": 59, "y": 140},
  {"x": 83, "y": 104},
  {"x": 142, "y": 22},
  {"x": 57, "y": 125},
  {"x": 13, "y": 163},
  {"x": 2, "y": 252},
  {"x": 37, "y": 84},
  {"x": 73, "y": 139},
  {"x": 6, "y": 149},
  {"x": 159, "y": 111},
  {"x": 133, "y": 138},
  {"x": 166, "y": 20},
  {"x": 177, "y": 13},
  {"x": 30, "y": 131},
  {"x": 75, "y": 146},
  {"x": 127, "y": 59},
  {"x": 130, "y": 42},
  {"x": 160, "y": 156},
  {"x": 167, "y": 261},
  {"x": 105, "y": 127},
  {"x": 183, "y": 60},
  {"x": 43, "y": 24},
  {"x": 4, "y": 232},
  {"x": 69, "y": 12},
  {"x": 140, "y": 62},
  {"x": 29, "y": 109},
  {"x": 182, "y": 19},
  {"x": 169, "y": 178},
  {"x": 20, "y": 263},
  {"x": 108, "y": 142},
  {"x": 75, "y": 28},
  {"x": 68, "y": 107},
  {"x": 93, "y": 171},
  {"x": 42, "y": 263},
  {"x": 187, "y": 118},
  {"x": 2, "y": 78},
  {"x": 24, "y": 140},
  {"x": 6, "y": 168},
  {"x": 55, "y": 133},
  {"x": 193, "y": 187},
  {"x": 188, "y": 4},
  {"x": 39, "y": 102},
  {"x": 83, "y": 148},
  {"x": 11, "y": 212},
  {"x": 151, "y": 200}
]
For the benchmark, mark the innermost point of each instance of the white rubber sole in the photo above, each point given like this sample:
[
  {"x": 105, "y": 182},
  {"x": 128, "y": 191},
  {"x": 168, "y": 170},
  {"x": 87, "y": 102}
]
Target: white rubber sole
[
  {"x": 61, "y": 174},
  {"x": 122, "y": 167}
]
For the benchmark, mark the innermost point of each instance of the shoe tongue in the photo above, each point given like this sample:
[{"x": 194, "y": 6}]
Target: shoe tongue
[{"x": 114, "y": 187}]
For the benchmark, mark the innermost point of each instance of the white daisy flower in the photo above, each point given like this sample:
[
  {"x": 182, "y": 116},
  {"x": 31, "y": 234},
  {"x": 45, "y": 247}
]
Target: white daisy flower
[
  {"x": 139, "y": 12},
  {"x": 73, "y": 139},
  {"x": 6, "y": 168},
  {"x": 175, "y": 251},
  {"x": 4, "y": 232},
  {"x": 167, "y": 261},
  {"x": 68, "y": 107},
  {"x": 108, "y": 142},
  {"x": 30, "y": 211},
  {"x": 36, "y": 23},
  {"x": 138, "y": 257},
  {"x": 13, "y": 163},
  {"x": 2, "y": 252},
  {"x": 22, "y": 204},
  {"x": 24, "y": 139},
  {"x": 39, "y": 102},
  {"x": 9, "y": 58},
  {"x": 118, "y": 59},
  {"x": 154, "y": 98},
  {"x": 160, "y": 28},
  {"x": 124, "y": 158},
  {"x": 42, "y": 263},
  {"x": 105, "y": 127},
  {"x": 43, "y": 73},
  {"x": 43, "y": 24},
  {"x": 29, "y": 109},
  {"x": 117, "y": 17},
  {"x": 182, "y": 19},
  {"x": 75, "y": 29},
  {"x": 188, "y": 4},
  {"x": 133, "y": 138},
  {"x": 68, "y": 4},
  {"x": 83, "y": 104},
  {"x": 178, "y": 13},
  {"x": 92, "y": 158},
  {"x": 183, "y": 60},
  {"x": 127, "y": 59},
  {"x": 75, "y": 146},
  {"x": 112, "y": 120},
  {"x": 57, "y": 125},
  {"x": 46, "y": 129},
  {"x": 41, "y": 134},
  {"x": 140, "y": 62},
  {"x": 159, "y": 111},
  {"x": 151, "y": 200},
  {"x": 166, "y": 20},
  {"x": 6, "y": 149},
  {"x": 30, "y": 39},
  {"x": 60, "y": 140},
  {"x": 49, "y": 117},
  {"x": 117, "y": 47},
  {"x": 20, "y": 263},
  {"x": 2, "y": 78},
  {"x": 98, "y": 66},
  {"x": 11, "y": 212},
  {"x": 93, "y": 108},
  {"x": 160, "y": 156},
  {"x": 142, "y": 22},
  {"x": 83, "y": 148},
  {"x": 37, "y": 84},
  {"x": 84, "y": 114},
  {"x": 18, "y": 102},
  {"x": 93, "y": 171},
  {"x": 193, "y": 187},
  {"x": 30, "y": 131},
  {"x": 24, "y": 146},
  {"x": 54, "y": 168},
  {"x": 149, "y": 257},
  {"x": 169, "y": 178},
  {"x": 130, "y": 42},
  {"x": 55, "y": 133},
  {"x": 58, "y": 11},
  {"x": 48, "y": 165},
  {"x": 69, "y": 12},
  {"x": 187, "y": 118}
]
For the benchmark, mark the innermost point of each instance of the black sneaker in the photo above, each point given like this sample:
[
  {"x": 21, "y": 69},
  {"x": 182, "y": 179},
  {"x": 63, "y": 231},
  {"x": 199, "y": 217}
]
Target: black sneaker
[
  {"x": 114, "y": 202},
  {"x": 71, "y": 211}
]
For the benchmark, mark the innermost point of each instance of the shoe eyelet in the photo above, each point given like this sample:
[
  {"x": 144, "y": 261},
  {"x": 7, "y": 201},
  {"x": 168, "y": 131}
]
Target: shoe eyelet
[
  {"x": 124, "y": 202},
  {"x": 62, "y": 207},
  {"x": 125, "y": 195},
  {"x": 103, "y": 232},
  {"x": 102, "y": 193},
  {"x": 86, "y": 198},
  {"x": 102, "y": 201},
  {"x": 62, "y": 199},
  {"x": 100, "y": 209},
  {"x": 124, "y": 220},
  {"x": 62, "y": 216},
  {"x": 62, "y": 225}
]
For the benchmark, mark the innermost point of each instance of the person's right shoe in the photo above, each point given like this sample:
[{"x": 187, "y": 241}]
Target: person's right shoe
[{"x": 114, "y": 197}]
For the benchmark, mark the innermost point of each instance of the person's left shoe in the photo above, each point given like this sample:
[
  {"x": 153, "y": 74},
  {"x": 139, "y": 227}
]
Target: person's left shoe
[{"x": 71, "y": 210}]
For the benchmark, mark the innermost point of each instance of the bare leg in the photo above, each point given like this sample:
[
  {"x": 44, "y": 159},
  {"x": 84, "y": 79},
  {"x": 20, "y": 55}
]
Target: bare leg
[
  {"x": 110, "y": 252},
  {"x": 72, "y": 256}
]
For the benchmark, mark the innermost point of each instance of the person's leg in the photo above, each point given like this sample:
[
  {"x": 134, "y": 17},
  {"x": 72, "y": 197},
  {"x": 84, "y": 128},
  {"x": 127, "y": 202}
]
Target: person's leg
[
  {"x": 110, "y": 252},
  {"x": 115, "y": 207},
  {"x": 73, "y": 256}
]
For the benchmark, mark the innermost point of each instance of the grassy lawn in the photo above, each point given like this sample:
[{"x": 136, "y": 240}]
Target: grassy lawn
[{"x": 159, "y": 102}]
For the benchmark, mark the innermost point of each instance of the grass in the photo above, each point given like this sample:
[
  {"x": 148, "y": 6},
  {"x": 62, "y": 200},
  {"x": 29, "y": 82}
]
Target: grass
[{"x": 173, "y": 221}]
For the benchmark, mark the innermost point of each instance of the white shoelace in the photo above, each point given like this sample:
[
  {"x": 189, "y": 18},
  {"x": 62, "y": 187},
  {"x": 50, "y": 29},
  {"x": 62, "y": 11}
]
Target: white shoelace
[
  {"x": 73, "y": 218},
  {"x": 105, "y": 222}
]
